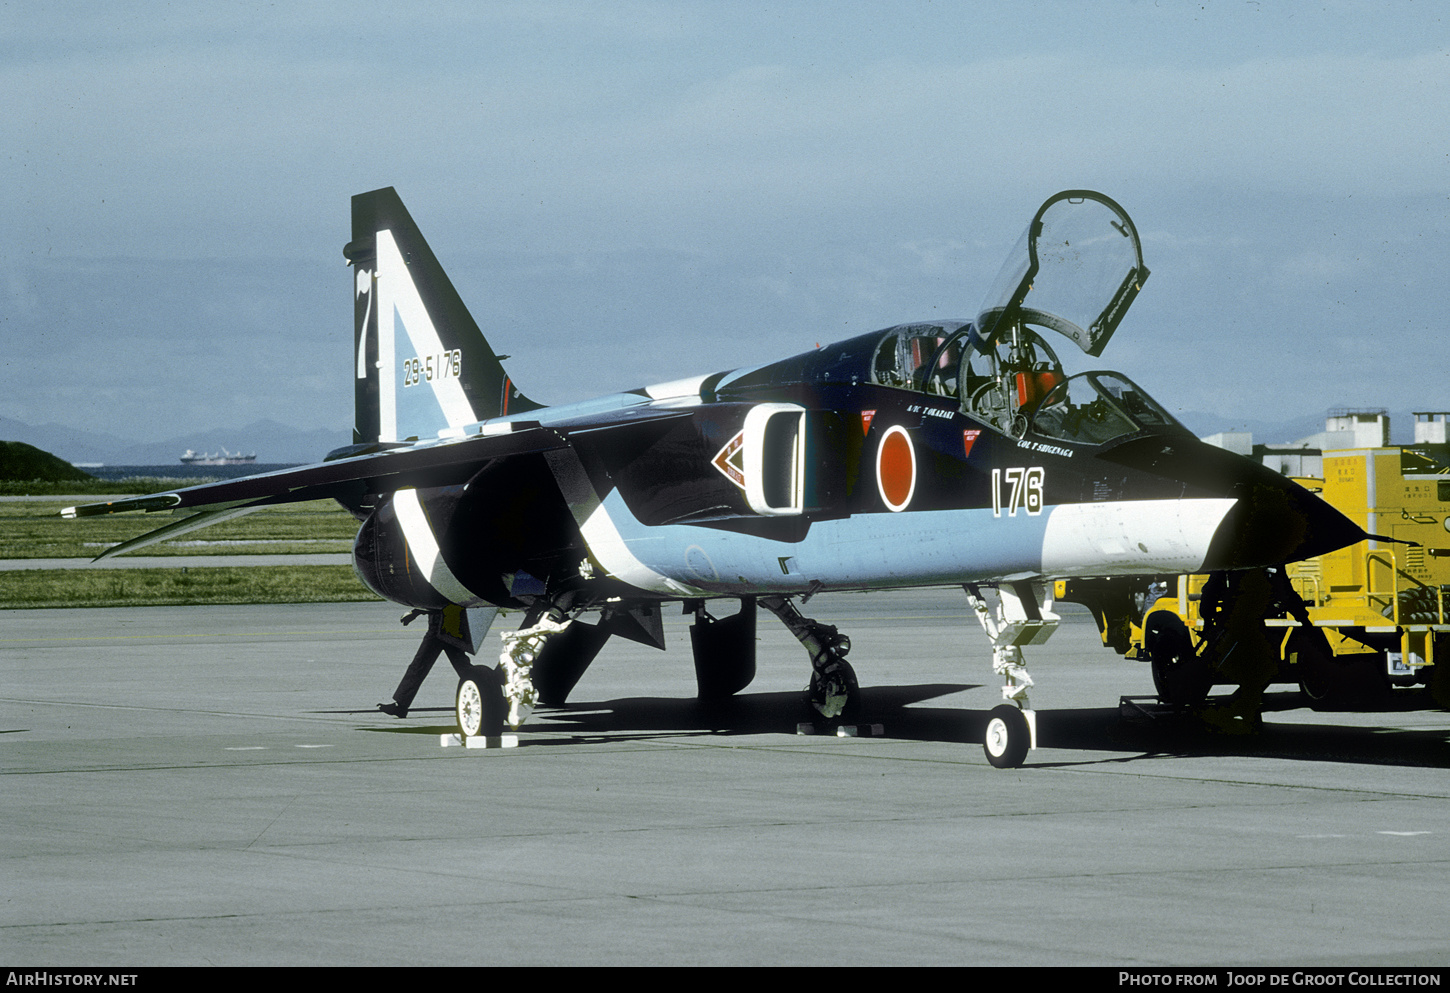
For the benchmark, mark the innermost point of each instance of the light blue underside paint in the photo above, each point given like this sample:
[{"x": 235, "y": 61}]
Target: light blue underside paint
[{"x": 920, "y": 548}]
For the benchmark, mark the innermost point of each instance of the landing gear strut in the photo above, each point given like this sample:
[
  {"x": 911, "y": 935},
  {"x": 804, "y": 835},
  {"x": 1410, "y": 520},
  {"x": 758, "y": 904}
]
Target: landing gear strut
[
  {"x": 833, "y": 692},
  {"x": 520, "y": 649},
  {"x": 1019, "y": 619}
]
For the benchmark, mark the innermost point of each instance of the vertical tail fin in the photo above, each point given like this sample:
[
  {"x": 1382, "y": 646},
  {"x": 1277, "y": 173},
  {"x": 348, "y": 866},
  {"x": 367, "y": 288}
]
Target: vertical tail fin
[{"x": 439, "y": 372}]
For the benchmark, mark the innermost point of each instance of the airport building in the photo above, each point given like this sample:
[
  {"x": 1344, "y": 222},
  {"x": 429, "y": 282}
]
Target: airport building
[{"x": 1345, "y": 429}]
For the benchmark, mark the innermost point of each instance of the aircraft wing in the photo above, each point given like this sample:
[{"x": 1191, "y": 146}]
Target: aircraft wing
[{"x": 444, "y": 463}]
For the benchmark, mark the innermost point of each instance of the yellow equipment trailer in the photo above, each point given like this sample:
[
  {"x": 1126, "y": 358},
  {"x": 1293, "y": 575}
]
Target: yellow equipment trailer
[{"x": 1349, "y": 627}]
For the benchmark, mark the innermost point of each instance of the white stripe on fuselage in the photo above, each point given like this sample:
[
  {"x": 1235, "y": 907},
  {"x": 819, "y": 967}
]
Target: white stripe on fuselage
[
  {"x": 423, "y": 546},
  {"x": 612, "y": 552}
]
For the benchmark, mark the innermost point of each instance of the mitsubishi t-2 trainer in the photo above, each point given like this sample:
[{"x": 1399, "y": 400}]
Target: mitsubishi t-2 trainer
[{"x": 940, "y": 453}]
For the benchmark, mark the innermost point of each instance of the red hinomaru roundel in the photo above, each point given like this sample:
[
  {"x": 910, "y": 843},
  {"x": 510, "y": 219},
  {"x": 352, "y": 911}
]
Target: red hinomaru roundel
[{"x": 896, "y": 468}]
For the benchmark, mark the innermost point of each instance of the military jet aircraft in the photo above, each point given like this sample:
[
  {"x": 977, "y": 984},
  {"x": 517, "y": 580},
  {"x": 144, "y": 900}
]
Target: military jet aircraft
[{"x": 937, "y": 453}]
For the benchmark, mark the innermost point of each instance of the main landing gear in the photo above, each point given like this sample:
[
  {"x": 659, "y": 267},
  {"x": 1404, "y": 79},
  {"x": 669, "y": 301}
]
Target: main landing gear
[
  {"x": 520, "y": 650},
  {"x": 833, "y": 692},
  {"x": 1022, "y": 615},
  {"x": 543, "y": 660},
  {"x": 1018, "y": 619},
  {"x": 456, "y": 632}
]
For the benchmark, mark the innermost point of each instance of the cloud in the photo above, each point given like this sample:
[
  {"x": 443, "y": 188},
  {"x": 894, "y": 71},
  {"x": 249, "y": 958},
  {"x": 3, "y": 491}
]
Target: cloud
[
  {"x": 776, "y": 174},
  {"x": 157, "y": 130}
]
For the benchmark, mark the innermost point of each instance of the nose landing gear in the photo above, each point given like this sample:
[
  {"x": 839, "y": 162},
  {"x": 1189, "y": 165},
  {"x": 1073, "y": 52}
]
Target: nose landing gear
[{"x": 1019, "y": 619}]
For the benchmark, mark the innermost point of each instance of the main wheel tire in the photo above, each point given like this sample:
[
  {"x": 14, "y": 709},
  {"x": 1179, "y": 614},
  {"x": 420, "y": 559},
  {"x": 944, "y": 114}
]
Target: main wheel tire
[
  {"x": 833, "y": 692},
  {"x": 1179, "y": 675},
  {"x": 1008, "y": 737},
  {"x": 479, "y": 704}
]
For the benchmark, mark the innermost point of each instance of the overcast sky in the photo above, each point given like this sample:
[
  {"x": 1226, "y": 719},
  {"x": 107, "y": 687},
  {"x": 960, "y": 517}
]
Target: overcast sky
[{"x": 631, "y": 192}]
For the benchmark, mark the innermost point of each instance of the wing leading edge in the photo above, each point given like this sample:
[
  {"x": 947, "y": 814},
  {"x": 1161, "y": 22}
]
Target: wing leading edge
[
  {"x": 346, "y": 480},
  {"x": 350, "y": 480}
]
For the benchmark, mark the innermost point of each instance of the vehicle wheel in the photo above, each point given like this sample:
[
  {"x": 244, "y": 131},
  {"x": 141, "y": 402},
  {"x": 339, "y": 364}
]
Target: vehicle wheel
[
  {"x": 1345, "y": 682},
  {"x": 1312, "y": 663},
  {"x": 1440, "y": 674},
  {"x": 1179, "y": 675},
  {"x": 1317, "y": 685},
  {"x": 479, "y": 705},
  {"x": 1008, "y": 737}
]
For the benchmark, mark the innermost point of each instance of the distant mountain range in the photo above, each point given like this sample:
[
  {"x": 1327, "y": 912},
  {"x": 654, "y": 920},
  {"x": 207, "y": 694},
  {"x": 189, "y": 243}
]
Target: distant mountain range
[{"x": 272, "y": 442}]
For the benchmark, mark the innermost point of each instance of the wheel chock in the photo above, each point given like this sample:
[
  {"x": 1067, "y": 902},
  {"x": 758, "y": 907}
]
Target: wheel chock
[
  {"x": 842, "y": 730},
  {"x": 479, "y": 740}
]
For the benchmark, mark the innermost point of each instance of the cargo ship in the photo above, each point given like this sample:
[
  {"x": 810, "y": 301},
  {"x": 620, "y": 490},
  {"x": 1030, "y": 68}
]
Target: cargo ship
[{"x": 189, "y": 457}]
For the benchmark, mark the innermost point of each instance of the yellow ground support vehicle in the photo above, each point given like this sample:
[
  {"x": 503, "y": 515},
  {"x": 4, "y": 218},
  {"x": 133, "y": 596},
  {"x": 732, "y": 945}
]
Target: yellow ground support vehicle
[{"x": 1348, "y": 627}]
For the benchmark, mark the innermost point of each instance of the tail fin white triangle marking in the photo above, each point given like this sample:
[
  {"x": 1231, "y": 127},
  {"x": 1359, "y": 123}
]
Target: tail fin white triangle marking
[{"x": 398, "y": 296}]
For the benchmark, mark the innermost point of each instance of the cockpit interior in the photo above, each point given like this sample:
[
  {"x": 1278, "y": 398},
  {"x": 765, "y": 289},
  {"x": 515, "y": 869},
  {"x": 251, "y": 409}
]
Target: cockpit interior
[{"x": 1075, "y": 272}]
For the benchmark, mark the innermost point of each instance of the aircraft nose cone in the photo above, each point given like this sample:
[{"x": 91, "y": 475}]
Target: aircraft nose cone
[
  {"x": 1273, "y": 520},
  {"x": 1276, "y": 521}
]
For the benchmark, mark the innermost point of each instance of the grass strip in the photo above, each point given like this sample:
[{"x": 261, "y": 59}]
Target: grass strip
[
  {"x": 180, "y": 586},
  {"x": 132, "y": 485},
  {"x": 34, "y": 529}
]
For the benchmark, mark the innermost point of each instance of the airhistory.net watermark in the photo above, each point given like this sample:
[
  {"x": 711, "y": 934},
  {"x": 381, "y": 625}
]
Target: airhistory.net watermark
[{"x": 67, "y": 977}]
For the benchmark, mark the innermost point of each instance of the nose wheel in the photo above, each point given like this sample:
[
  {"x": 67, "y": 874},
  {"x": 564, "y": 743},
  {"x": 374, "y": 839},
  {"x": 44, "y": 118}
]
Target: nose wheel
[{"x": 1009, "y": 736}]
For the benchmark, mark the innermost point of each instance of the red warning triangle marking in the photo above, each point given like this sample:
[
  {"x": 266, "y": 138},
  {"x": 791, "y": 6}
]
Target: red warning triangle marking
[
  {"x": 731, "y": 460},
  {"x": 969, "y": 438},
  {"x": 866, "y": 416}
]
